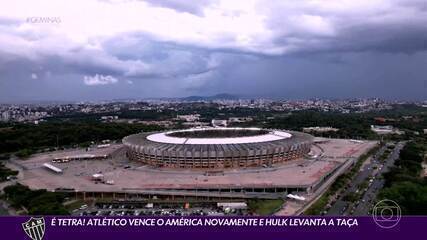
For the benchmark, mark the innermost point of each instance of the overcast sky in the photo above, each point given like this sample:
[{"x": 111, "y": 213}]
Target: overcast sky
[{"x": 110, "y": 49}]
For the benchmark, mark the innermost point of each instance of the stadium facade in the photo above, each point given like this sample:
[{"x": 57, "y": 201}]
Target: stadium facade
[{"x": 217, "y": 148}]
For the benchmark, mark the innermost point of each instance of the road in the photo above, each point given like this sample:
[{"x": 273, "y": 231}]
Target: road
[
  {"x": 366, "y": 203},
  {"x": 370, "y": 173}
]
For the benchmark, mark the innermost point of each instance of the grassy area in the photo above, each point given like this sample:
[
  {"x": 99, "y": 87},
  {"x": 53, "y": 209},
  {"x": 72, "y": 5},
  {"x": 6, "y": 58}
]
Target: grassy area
[
  {"x": 6, "y": 172},
  {"x": 317, "y": 207},
  {"x": 74, "y": 204},
  {"x": 265, "y": 207}
]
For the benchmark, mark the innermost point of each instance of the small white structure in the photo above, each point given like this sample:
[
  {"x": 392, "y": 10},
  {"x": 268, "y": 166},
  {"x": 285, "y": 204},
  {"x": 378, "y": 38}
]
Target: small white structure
[
  {"x": 219, "y": 123},
  {"x": 239, "y": 119},
  {"x": 319, "y": 129},
  {"x": 103, "y": 145},
  {"x": 388, "y": 129},
  {"x": 189, "y": 117},
  {"x": 232, "y": 205},
  {"x": 382, "y": 129},
  {"x": 97, "y": 177},
  {"x": 295, "y": 197},
  {"x": 53, "y": 168},
  {"x": 79, "y": 157},
  {"x": 109, "y": 182},
  {"x": 149, "y": 205}
]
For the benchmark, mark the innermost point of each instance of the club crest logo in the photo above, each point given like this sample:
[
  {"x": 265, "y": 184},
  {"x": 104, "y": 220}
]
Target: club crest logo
[{"x": 34, "y": 228}]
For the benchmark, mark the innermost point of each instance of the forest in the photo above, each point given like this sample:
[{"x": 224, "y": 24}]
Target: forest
[
  {"x": 404, "y": 183},
  {"x": 28, "y": 138}
]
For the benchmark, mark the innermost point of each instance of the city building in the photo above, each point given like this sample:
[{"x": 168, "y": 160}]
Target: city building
[
  {"x": 189, "y": 117},
  {"x": 386, "y": 129},
  {"x": 219, "y": 123},
  {"x": 319, "y": 129}
]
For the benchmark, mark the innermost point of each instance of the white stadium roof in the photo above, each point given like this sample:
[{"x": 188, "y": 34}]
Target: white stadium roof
[{"x": 270, "y": 136}]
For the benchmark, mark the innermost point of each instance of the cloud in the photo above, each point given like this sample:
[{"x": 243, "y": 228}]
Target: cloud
[
  {"x": 192, "y": 7},
  {"x": 248, "y": 26},
  {"x": 34, "y": 76},
  {"x": 183, "y": 46},
  {"x": 99, "y": 79}
]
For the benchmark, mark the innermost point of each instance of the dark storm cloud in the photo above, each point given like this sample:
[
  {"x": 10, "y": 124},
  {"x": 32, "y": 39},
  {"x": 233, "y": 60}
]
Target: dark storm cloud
[
  {"x": 165, "y": 59},
  {"x": 291, "y": 49},
  {"x": 397, "y": 27},
  {"x": 404, "y": 38},
  {"x": 399, "y": 38},
  {"x": 394, "y": 76}
]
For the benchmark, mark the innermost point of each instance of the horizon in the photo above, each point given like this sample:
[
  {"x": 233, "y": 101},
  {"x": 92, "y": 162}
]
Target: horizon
[{"x": 207, "y": 98}]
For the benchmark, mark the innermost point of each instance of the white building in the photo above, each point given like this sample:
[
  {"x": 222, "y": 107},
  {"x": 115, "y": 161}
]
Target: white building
[
  {"x": 5, "y": 116},
  {"x": 239, "y": 119},
  {"x": 219, "y": 123},
  {"x": 319, "y": 129},
  {"x": 189, "y": 117},
  {"x": 387, "y": 129}
]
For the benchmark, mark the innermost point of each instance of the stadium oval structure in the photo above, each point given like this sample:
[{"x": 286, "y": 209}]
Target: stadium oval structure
[{"x": 217, "y": 148}]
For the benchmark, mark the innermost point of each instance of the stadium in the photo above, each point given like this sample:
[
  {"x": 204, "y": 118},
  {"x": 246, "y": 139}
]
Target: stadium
[
  {"x": 199, "y": 165},
  {"x": 217, "y": 148}
]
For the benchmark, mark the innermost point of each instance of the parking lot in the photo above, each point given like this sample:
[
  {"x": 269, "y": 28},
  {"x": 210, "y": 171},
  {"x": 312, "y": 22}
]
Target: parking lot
[{"x": 150, "y": 209}]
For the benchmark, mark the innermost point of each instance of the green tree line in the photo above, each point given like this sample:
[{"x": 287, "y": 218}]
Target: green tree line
[
  {"x": 404, "y": 183},
  {"x": 37, "y": 202},
  {"x": 28, "y": 137}
]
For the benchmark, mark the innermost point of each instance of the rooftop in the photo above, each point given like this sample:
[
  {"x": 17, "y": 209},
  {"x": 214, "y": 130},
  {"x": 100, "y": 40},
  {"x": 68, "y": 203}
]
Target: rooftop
[{"x": 218, "y": 136}]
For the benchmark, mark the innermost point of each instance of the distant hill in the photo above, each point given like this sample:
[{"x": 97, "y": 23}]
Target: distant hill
[{"x": 221, "y": 96}]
